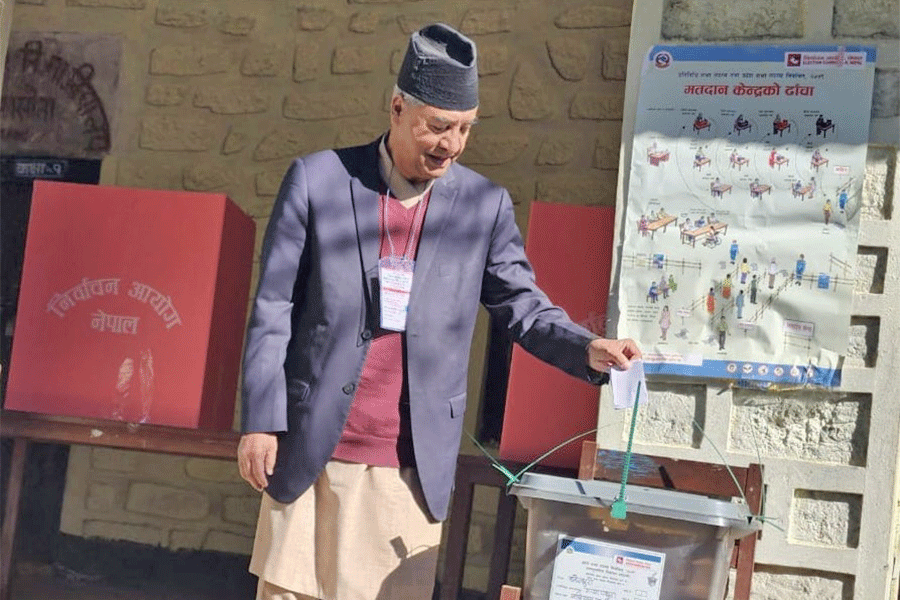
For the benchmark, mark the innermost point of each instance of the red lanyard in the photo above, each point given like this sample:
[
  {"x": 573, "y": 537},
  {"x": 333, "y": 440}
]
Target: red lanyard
[{"x": 415, "y": 228}]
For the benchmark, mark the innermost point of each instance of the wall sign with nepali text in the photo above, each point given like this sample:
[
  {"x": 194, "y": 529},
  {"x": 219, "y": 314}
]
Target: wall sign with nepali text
[{"x": 59, "y": 93}]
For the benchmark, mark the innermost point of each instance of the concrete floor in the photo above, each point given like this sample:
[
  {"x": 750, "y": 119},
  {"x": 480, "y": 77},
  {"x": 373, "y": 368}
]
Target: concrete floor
[
  {"x": 42, "y": 588},
  {"x": 43, "y": 582}
]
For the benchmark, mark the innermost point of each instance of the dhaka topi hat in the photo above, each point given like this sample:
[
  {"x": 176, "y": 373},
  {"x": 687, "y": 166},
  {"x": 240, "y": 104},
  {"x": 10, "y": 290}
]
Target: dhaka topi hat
[{"x": 440, "y": 68}]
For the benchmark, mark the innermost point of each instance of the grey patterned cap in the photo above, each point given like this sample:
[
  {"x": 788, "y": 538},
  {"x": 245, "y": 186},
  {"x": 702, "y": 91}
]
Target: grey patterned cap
[{"x": 440, "y": 68}]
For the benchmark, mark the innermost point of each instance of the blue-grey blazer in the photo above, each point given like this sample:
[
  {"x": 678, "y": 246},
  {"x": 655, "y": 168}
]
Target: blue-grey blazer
[{"x": 315, "y": 313}]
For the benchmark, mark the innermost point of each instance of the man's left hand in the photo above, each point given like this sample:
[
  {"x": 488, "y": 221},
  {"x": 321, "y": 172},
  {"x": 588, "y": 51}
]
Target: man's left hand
[{"x": 604, "y": 354}]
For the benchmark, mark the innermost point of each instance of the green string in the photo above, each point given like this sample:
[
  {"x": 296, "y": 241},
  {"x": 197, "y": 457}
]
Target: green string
[
  {"x": 619, "y": 509},
  {"x": 761, "y": 517},
  {"x": 511, "y": 477}
]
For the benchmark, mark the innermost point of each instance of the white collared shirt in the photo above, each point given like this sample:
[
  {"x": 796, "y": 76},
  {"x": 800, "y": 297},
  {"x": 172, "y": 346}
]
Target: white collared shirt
[{"x": 407, "y": 192}]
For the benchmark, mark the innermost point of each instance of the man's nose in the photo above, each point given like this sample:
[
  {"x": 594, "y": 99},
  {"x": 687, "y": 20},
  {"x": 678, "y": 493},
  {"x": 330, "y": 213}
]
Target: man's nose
[{"x": 451, "y": 142}]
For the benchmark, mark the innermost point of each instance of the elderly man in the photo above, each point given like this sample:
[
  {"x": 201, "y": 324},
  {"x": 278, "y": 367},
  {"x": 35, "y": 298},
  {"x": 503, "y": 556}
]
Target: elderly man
[{"x": 373, "y": 265}]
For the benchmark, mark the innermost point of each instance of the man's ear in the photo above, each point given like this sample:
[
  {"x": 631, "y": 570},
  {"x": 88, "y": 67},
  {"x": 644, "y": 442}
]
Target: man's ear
[{"x": 396, "y": 106}]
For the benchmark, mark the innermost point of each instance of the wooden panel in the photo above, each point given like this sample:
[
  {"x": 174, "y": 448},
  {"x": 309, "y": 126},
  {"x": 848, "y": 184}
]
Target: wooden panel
[
  {"x": 115, "y": 434},
  {"x": 669, "y": 473}
]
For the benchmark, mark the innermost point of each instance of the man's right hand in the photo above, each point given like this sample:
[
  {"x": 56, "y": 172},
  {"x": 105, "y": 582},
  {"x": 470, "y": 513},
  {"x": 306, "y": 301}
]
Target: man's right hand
[{"x": 256, "y": 458}]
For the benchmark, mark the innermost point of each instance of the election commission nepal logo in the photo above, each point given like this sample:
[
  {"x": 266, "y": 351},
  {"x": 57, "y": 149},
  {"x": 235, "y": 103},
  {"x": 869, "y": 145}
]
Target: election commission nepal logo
[
  {"x": 662, "y": 59},
  {"x": 793, "y": 59}
]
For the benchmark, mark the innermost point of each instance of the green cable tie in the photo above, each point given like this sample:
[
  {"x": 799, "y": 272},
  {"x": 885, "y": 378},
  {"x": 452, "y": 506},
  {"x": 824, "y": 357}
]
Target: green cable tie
[
  {"x": 514, "y": 477},
  {"x": 619, "y": 509}
]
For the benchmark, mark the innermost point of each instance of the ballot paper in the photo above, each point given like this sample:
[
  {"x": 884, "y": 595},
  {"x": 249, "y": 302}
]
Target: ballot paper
[
  {"x": 586, "y": 568},
  {"x": 625, "y": 385}
]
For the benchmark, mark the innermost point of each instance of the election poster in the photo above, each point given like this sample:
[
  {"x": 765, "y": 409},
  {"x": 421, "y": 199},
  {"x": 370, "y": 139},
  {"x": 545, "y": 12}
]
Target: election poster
[{"x": 742, "y": 212}]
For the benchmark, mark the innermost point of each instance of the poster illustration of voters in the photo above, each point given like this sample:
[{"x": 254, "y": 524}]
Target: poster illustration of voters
[{"x": 742, "y": 210}]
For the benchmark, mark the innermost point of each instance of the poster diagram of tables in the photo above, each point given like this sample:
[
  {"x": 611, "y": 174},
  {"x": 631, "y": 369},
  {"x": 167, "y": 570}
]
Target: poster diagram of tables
[{"x": 743, "y": 211}]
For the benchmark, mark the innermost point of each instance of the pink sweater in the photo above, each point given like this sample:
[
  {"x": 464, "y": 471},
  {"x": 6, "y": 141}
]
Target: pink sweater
[{"x": 378, "y": 431}]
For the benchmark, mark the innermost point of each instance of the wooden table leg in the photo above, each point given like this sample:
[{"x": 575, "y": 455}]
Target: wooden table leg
[
  {"x": 503, "y": 534},
  {"x": 11, "y": 516},
  {"x": 509, "y": 592},
  {"x": 457, "y": 536}
]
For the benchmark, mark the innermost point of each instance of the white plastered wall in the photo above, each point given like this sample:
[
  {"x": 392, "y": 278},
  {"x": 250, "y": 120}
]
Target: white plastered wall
[{"x": 830, "y": 458}]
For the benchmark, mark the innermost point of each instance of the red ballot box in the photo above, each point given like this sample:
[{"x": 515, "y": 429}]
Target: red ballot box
[
  {"x": 132, "y": 305},
  {"x": 570, "y": 249}
]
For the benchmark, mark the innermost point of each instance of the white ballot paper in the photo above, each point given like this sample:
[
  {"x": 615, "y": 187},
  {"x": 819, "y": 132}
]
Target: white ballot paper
[
  {"x": 586, "y": 569},
  {"x": 625, "y": 384}
]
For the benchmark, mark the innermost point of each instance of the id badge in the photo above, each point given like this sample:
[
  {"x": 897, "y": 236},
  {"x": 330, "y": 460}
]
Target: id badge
[{"x": 395, "y": 276}]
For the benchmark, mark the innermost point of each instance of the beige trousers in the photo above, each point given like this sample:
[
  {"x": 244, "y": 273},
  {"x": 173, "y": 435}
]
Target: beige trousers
[
  {"x": 359, "y": 533},
  {"x": 267, "y": 591}
]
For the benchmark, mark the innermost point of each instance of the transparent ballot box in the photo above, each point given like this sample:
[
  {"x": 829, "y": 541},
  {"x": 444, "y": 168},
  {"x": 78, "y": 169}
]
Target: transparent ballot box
[{"x": 671, "y": 545}]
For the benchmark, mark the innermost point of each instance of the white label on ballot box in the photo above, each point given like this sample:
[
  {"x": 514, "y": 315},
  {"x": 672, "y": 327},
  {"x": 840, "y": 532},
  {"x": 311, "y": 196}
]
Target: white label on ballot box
[{"x": 586, "y": 568}]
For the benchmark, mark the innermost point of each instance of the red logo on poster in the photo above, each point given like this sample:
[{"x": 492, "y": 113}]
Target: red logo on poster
[
  {"x": 793, "y": 59},
  {"x": 662, "y": 59}
]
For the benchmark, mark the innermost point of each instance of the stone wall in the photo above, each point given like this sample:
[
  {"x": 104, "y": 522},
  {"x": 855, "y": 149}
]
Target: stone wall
[
  {"x": 168, "y": 501},
  {"x": 221, "y": 95}
]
